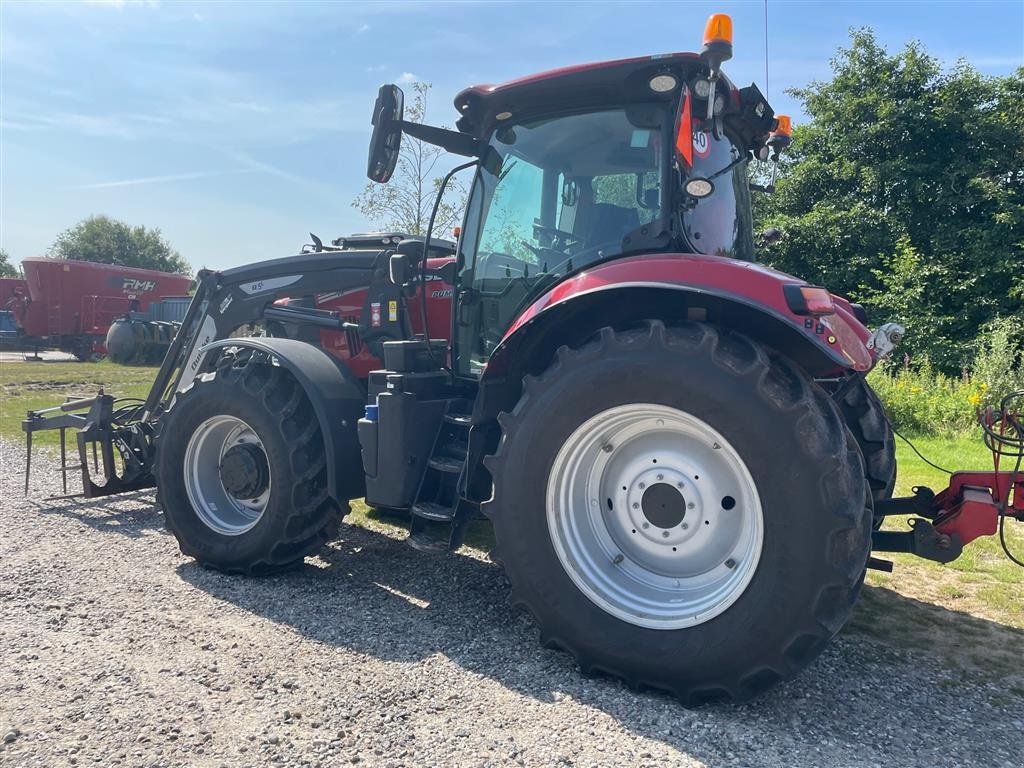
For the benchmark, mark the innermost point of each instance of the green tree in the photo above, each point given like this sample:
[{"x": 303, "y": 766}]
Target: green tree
[
  {"x": 906, "y": 191},
  {"x": 108, "y": 241},
  {"x": 404, "y": 203},
  {"x": 6, "y": 268}
]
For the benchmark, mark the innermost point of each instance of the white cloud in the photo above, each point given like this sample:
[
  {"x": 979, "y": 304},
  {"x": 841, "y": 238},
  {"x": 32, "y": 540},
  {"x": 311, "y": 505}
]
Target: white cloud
[
  {"x": 163, "y": 179},
  {"x": 407, "y": 77},
  {"x": 363, "y": 28},
  {"x": 119, "y": 4},
  {"x": 254, "y": 165},
  {"x": 377, "y": 68}
]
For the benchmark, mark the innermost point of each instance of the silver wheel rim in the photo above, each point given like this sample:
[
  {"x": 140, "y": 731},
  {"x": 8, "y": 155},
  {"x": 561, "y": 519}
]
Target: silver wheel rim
[
  {"x": 218, "y": 509},
  {"x": 621, "y": 540}
]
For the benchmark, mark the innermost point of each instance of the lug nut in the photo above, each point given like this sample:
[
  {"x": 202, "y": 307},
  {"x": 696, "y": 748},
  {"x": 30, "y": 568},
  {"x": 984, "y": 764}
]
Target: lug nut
[
  {"x": 664, "y": 534},
  {"x": 691, "y": 505},
  {"x": 641, "y": 486},
  {"x": 730, "y": 563},
  {"x": 661, "y": 477},
  {"x": 685, "y": 526},
  {"x": 607, "y": 448},
  {"x": 646, "y": 526},
  {"x": 636, "y": 505}
]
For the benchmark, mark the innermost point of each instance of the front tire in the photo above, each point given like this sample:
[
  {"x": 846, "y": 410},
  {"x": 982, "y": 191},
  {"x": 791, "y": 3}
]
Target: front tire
[
  {"x": 765, "y": 472},
  {"x": 241, "y": 469},
  {"x": 866, "y": 418}
]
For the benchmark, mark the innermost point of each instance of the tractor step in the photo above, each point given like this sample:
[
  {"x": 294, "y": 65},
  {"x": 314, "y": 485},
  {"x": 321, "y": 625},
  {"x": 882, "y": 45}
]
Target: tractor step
[
  {"x": 431, "y": 545},
  {"x": 435, "y": 513},
  {"x": 438, "y": 516},
  {"x": 448, "y": 464}
]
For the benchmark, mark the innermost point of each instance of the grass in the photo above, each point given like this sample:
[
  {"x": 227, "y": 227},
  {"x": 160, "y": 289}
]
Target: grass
[
  {"x": 34, "y": 385},
  {"x": 970, "y": 611}
]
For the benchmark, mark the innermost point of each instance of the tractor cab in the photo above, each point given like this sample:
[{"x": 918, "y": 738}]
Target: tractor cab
[{"x": 585, "y": 165}]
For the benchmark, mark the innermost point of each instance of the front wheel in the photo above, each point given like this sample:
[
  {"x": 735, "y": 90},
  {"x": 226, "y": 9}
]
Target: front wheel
[
  {"x": 241, "y": 469},
  {"x": 702, "y": 520},
  {"x": 869, "y": 424}
]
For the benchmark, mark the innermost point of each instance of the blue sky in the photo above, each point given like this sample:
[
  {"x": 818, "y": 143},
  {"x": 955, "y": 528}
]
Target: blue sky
[{"x": 238, "y": 127}]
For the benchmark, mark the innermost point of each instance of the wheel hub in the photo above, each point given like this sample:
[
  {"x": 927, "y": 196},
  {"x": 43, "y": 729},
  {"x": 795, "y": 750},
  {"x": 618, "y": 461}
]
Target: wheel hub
[
  {"x": 654, "y": 516},
  {"x": 663, "y": 505},
  {"x": 244, "y": 471},
  {"x": 227, "y": 475}
]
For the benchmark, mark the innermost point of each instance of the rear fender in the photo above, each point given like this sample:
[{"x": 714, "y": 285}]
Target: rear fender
[
  {"x": 619, "y": 294},
  {"x": 746, "y": 297},
  {"x": 337, "y": 397}
]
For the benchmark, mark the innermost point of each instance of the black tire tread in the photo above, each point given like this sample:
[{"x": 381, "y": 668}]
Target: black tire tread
[
  {"x": 866, "y": 418},
  {"x": 315, "y": 517},
  {"x": 782, "y": 386}
]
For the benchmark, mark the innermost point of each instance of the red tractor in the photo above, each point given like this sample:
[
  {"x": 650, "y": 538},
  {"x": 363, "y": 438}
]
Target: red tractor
[{"x": 676, "y": 446}]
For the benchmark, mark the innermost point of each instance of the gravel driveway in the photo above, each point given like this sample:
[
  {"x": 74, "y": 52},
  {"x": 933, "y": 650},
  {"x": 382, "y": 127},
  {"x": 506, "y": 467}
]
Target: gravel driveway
[{"x": 117, "y": 650}]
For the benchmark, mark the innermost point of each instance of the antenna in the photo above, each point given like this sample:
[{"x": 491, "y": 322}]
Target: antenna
[{"x": 766, "y": 49}]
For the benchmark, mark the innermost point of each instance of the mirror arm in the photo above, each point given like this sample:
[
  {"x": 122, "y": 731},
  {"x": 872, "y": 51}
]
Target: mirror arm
[{"x": 451, "y": 141}]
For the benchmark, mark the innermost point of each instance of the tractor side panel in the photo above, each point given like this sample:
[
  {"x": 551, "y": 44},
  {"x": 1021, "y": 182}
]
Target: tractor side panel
[
  {"x": 348, "y": 347},
  {"x": 840, "y": 337}
]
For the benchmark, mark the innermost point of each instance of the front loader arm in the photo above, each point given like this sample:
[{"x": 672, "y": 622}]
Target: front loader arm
[{"x": 122, "y": 433}]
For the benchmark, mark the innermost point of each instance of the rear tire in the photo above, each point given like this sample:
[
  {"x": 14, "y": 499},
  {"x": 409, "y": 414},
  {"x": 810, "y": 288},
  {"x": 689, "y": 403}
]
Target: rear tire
[
  {"x": 290, "y": 515},
  {"x": 807, "y": 476}
]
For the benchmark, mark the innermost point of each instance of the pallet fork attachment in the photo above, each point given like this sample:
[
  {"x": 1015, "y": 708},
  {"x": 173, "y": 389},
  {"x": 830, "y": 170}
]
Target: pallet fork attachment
[{"x": 122, "y": 447}]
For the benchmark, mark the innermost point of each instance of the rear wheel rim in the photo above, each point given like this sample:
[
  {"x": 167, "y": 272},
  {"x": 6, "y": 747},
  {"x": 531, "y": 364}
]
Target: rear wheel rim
[
  {"x": 215, "y": 506},
  {"x": 654, "y": 516}
]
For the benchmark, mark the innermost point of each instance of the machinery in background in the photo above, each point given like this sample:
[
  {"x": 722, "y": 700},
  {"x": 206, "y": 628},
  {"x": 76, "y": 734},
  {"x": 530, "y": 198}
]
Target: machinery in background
[{"x": 70, "y": 305}]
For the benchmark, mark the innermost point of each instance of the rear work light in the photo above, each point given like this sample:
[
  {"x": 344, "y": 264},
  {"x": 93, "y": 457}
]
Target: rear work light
[{"x": 809, "y": 300}]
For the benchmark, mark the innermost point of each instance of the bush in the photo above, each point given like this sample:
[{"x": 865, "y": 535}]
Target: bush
[
  {"x": 921, "y": 401},
  {"x": 999, "y": 362},
  {"x": 925, "y": 402}
]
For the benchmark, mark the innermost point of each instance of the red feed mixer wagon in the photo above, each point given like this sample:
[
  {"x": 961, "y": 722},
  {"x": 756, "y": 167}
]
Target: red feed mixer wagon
[
  {"x": 70, "y": 305},
  {"x": 684, "y": 465}
]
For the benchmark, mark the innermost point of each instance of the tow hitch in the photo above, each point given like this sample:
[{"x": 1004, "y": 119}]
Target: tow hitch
[{"x": 974, "y": 504}]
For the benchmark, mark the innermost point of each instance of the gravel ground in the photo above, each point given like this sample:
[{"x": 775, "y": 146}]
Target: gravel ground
[{"x": 117, "y": 650}]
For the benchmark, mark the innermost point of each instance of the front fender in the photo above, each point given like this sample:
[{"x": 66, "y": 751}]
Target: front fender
[
  {"x": 735, "y": 293},
  {"x": 337, "y": 397}
]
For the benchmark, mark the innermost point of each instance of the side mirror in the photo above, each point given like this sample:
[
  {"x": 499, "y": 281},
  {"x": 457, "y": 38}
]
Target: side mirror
[
  {"x": 398, "y": 269},
  {"x": 407, "y": 258},
  {"x": 386, "y": 140}
]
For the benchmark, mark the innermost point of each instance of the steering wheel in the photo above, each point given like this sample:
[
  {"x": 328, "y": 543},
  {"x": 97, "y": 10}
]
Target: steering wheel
[
  {"x": 543, "y": 253},
  {"x": 561, "y": 234}
]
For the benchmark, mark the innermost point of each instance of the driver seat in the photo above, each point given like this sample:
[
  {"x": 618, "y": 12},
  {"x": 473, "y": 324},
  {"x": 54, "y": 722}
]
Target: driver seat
[{"x": 609, "y": 223}]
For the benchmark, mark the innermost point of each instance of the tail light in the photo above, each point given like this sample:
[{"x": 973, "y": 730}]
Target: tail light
[{"x": 809, "y": 300}]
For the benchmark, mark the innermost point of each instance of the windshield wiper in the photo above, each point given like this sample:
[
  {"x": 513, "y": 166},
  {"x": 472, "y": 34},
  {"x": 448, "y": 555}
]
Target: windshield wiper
[{"x": 505, "y": 171}]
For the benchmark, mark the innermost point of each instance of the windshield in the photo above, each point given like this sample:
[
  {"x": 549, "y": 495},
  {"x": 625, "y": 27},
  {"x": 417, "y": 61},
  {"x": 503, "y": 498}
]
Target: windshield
[
  {"x": 720, "y": 225},
  {"x": 553, "y": 196}
]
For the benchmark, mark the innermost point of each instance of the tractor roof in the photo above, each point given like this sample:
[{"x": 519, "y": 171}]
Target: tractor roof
[{"x": 580, "y": 86}]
